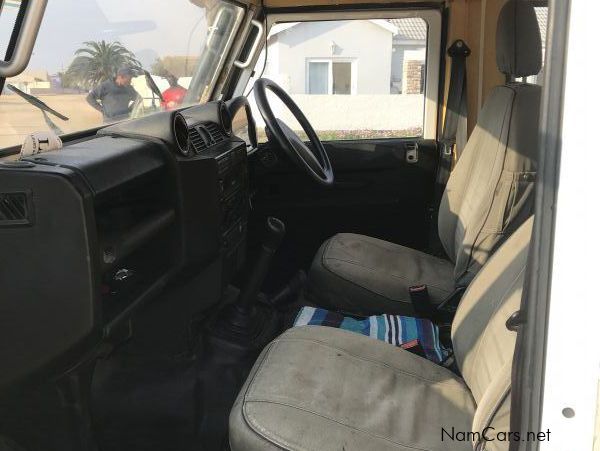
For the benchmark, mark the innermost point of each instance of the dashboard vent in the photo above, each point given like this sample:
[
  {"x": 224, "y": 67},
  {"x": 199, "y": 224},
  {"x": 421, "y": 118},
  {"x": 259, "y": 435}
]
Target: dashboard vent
[
  {"x": 197, "y": 141},
  {"x": 217, "y": 135},
  {"x": 14, "y": 209}
]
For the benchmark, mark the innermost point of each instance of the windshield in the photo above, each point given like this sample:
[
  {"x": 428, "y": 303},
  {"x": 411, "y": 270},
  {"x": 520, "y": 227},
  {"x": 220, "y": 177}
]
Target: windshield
[{"x": 103, "y": 61}]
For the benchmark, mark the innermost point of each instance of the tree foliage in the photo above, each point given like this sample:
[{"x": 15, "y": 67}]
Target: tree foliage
[
  {"x": 96, "y": 62},
  {"x": 179, "y": 66}
]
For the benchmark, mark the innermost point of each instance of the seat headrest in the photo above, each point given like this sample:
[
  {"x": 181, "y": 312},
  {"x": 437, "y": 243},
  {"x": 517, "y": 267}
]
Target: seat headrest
[{"x": 518, "y": 40}]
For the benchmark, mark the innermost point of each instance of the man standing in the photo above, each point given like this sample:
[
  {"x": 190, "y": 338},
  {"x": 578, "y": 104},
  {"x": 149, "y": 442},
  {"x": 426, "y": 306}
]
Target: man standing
[{"x": 115, "y": 98}]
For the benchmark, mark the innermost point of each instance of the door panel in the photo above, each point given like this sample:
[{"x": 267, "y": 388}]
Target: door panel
[{"x": 382, "y": 189}]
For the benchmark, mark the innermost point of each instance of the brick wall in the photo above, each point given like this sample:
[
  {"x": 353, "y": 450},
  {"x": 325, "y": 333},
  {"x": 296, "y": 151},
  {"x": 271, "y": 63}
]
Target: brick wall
[{"x": 411, "y": 77}]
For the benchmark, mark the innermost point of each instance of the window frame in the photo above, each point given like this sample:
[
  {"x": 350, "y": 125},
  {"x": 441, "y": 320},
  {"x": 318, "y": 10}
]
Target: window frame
[
  {"x": 353, "y": 73},
  {"x": 431, "y": 16}
]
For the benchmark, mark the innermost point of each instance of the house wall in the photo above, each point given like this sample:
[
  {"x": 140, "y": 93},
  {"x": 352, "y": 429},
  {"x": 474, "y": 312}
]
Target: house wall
[
  {"x": 397, "y": 63},
  {"x": 399, "y": 55},
  {"x": 353, "y": 40}
]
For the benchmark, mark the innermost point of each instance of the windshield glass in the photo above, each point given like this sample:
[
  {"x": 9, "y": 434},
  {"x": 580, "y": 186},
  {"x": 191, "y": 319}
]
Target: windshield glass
[{"x": 102, "y": 61}]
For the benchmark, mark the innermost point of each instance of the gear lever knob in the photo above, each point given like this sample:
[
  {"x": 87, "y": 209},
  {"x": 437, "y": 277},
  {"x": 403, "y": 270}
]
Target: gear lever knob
[{"x": 274, "y": 234}]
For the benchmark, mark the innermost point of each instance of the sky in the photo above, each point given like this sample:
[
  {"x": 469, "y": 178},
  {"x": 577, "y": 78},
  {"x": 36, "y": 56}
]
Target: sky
[{"x": 149, "y": 28}]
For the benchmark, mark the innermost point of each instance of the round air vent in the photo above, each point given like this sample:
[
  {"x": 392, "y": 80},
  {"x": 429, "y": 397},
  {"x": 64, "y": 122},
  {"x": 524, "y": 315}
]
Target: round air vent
[
  {"x": 225, "y": 118},
  {"x": 182, "y": 134}
]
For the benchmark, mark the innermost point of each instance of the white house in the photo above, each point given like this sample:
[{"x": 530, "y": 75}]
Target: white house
[
  {"x": 371, "y": 70},
  {"x": 337, "y": 57}
]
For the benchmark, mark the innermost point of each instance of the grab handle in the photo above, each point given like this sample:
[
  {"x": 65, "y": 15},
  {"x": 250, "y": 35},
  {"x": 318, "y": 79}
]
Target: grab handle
[{"x": 261, "y": 30}]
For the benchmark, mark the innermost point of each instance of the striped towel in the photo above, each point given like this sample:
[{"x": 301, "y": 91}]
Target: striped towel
[{"x": 402, "y": 331}]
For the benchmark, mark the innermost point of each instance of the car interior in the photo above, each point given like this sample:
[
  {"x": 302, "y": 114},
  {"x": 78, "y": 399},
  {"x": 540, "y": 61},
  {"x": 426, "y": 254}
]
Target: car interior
[{"x": 178, "y": 282}]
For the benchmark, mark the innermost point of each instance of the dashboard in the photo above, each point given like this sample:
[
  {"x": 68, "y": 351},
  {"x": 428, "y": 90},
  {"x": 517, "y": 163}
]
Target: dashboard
[{"x": 101, "y": 226}]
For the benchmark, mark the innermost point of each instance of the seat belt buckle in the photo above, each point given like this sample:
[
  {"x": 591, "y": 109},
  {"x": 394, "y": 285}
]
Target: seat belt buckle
[
  {"x": 419, "y": 292},
  {"x": 419, "y": 297}
]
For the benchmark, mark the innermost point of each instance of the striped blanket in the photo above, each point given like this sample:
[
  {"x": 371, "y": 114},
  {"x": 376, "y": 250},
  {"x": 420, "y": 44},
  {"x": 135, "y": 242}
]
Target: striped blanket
[{"x": 414, "y": 334}]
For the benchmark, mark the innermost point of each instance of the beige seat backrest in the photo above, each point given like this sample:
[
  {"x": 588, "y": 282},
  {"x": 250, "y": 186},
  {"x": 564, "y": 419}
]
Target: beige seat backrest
[
  {"x": 483, "y": 345},
  {"x": 490, "y": 191}
]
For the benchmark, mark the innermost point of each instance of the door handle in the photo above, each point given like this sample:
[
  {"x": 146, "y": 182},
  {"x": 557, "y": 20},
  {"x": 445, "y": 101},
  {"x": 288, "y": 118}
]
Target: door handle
[{"x": 25, "y": 41}]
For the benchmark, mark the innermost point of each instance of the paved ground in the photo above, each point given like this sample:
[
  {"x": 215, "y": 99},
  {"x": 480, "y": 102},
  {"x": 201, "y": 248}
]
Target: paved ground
[{"x": 18, "y": 118}]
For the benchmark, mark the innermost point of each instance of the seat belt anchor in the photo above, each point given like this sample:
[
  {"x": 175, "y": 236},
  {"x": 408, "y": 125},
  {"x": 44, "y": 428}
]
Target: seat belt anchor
[
  {"x": 459, "y": 48},
  {"x": 516, "y": 320},
  {"x": 447, "y": 146}
]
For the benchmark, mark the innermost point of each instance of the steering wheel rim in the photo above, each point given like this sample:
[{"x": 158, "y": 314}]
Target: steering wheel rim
[{"x": 316, "y": 163}]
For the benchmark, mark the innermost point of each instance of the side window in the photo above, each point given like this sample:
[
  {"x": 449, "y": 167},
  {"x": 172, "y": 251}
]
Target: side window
[{"x": 353, "y": 79}]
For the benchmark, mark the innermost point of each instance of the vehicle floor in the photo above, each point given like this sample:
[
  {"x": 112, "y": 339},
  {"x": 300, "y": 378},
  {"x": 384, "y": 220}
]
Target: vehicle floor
[{"x": 153, "y": 395}]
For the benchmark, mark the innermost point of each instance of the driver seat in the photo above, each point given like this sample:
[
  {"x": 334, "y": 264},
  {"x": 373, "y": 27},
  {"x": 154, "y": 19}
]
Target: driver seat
[{"x": 487, "y": 197}]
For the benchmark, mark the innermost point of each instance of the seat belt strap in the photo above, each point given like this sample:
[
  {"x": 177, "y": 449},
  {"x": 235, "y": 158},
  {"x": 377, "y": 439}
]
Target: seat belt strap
[
  {"x": 454, "y": 135},
  {"x": 454, "y": 132}
]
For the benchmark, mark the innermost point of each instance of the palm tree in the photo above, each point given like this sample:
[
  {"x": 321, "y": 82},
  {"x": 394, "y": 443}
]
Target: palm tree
[{"x": 98, "y": 61}]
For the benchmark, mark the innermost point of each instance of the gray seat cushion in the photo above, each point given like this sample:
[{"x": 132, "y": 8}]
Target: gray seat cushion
[
  {"x": 319, "y": 388},
  {"x": 360, "y": 274}
]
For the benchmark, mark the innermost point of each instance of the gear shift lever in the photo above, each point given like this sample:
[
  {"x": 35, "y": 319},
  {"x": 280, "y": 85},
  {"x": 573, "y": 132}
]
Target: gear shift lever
[
  {"x": 274, "y": 233},
  {"x": 242, "y": 322}
]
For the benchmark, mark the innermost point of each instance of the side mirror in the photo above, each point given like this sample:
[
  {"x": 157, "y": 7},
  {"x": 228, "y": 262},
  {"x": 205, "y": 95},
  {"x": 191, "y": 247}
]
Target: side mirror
[{"x": 27, "y": 18}]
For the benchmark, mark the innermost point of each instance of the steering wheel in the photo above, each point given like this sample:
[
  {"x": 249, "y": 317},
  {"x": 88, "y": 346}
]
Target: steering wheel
[{"x": 315, "y": 162}]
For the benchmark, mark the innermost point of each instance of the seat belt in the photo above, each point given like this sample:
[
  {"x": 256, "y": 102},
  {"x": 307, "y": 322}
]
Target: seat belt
[
  {"x": 454, "y": 132},
  {"x": 454, "y": 135}
]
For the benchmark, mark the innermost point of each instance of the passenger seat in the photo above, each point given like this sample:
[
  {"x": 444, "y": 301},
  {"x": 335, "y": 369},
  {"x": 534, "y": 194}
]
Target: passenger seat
[
  {"x": 489, "y": 194},
  {"x": 318, "y": 388}
]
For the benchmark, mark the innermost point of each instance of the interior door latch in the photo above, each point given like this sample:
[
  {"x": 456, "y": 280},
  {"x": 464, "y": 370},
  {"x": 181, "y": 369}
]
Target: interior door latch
[{"x": 412, "y": 152}]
